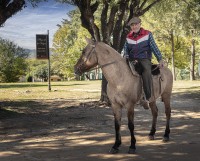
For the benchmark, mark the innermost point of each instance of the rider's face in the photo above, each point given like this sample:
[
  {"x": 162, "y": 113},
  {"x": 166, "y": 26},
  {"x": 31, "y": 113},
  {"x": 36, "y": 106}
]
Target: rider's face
[{"x": 135, "y": 27}]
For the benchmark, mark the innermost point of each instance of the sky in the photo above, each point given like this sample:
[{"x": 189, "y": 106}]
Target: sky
[{"x": 23, "y": 26}]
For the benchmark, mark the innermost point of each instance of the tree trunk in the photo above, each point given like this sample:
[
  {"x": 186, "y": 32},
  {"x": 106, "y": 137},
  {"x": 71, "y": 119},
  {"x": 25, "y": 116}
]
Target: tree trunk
[
  {"x": 173, "y": 65},
  {"x": 192, "y": 77}
]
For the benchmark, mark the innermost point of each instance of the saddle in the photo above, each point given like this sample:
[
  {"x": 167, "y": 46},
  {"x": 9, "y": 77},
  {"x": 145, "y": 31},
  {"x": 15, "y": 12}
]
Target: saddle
[
  {"x": 136, "y": 69},
  {"x": 136, "y": 66}
]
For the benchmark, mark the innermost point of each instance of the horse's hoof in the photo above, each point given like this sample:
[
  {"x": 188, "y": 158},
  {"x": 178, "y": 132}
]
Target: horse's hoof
[
  {"x": 151, "y": 137},
  {"x": 114, "y": 151},
  {"x": 165, "y": 139},
  {"x": 131, "y": 151}
]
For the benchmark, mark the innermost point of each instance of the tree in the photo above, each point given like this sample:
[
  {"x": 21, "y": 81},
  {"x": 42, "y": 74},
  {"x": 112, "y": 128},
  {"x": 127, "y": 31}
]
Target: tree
[
  {"x": 37, "y": 69},
  {"x": 166, "y": 27},
  {"x": 172, "y": 23},
  {"x": 192, "y": 24},
  {"x": 8, "y": 8},
  {"x": 12, "y": 61},
  {"x": 67, "y": 43},
  {"x": 41, "y": 72},
  {"x": 114, "y": 18}
]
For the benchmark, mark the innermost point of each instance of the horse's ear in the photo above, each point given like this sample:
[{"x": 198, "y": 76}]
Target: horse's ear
[{"x": 89, "y": 41}]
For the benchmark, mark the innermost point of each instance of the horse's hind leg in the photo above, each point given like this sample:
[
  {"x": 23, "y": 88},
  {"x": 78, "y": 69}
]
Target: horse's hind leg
[
  {"x": 166, "y": 100},
  {"x": 154, "y": 111},
  {"x": 130, "y": 116},
  {"x": 117, "y": 111}
]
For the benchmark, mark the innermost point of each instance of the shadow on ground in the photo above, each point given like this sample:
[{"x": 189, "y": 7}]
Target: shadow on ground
[{"x": 62, "y": 130}]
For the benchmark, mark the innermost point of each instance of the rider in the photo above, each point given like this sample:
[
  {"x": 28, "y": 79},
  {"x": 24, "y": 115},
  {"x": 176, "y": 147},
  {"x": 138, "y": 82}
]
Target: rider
[{"x": 138, "y": 47}]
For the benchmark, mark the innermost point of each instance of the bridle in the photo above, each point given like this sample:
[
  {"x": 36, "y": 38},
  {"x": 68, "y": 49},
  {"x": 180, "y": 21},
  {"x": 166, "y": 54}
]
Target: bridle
[{"x": 81, "y": 66}]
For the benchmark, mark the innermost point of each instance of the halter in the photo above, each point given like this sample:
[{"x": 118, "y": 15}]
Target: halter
[
  {"x": 83, "y": 63},
  {"x": 79, "y": 70}
]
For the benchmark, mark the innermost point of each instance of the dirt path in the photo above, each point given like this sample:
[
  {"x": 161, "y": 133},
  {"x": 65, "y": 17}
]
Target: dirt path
[{"x": 62, "y": 130}]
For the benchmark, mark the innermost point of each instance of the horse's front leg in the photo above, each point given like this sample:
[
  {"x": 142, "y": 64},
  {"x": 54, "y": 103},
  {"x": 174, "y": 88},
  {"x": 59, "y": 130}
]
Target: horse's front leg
[
  {"x": 117, "y": 111},
  {"x": 154, "y": 111},
  {"x": 166, "y": 100},
  {"x": 130, "y": 115}
]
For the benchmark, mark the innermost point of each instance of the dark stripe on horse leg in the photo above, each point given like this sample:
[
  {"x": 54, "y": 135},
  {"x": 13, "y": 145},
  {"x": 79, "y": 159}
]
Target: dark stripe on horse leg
[
  {"x": 166, "y": 100},
  {"x": 117, "y": 111},
  {"x": 131, "y": 127},
  {"x": 154, "y": 111}
]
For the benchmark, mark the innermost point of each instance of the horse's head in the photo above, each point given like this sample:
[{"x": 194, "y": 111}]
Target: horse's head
[{"x": 88, "y": 58}]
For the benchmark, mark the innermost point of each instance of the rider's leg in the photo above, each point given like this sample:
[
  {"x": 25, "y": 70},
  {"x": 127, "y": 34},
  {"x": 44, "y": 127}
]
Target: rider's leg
[
  {"x": 147, "y": 81},
  {"x": 146, "y": 77}
]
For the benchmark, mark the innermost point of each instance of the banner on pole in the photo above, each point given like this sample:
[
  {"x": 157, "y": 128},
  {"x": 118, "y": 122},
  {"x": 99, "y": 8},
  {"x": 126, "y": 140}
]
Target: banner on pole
[{"x": 42, "y": 46}]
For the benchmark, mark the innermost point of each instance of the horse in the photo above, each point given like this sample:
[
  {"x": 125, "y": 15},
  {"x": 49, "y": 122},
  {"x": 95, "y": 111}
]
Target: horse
[{"x": 124, "y": 88}]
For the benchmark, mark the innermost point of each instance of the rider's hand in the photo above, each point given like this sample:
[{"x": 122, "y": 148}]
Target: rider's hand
[
  {"x": 161, "y": 64},
  {"x": 126, "y": 56}
]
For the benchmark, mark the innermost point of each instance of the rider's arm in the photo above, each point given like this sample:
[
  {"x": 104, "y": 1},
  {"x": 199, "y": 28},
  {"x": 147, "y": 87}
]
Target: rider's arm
[
  {"x": 154, "y": 47},
  {"x": 125, "y": 50}
]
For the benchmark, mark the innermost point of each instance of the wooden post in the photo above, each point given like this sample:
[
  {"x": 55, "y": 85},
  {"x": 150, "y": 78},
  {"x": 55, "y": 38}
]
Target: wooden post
[
  {"x": 49, "y": 64},
  {"x": 173, "y": 65}
]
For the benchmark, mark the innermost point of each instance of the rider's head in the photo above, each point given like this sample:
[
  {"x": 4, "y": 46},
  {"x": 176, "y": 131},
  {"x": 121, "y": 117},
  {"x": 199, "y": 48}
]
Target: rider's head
[{"x": 135, "y": 24}]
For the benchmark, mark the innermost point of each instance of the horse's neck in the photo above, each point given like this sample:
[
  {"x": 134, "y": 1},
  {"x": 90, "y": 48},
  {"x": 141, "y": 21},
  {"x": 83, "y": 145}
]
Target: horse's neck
[{"x": 113, "y": 66}]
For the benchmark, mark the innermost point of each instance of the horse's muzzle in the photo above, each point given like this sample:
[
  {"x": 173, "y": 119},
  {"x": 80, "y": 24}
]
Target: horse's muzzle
[{"x": 77, "y": 71}]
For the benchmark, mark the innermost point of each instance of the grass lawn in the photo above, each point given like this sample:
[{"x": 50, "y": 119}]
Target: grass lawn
[
  {"x": 183, "y": 86},
  {"x": 71, "y": 90},
  {"x": 59, "y": 90}
]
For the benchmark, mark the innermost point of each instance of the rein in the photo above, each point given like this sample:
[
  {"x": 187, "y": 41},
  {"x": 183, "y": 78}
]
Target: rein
[{"x": 99, "y": 66}]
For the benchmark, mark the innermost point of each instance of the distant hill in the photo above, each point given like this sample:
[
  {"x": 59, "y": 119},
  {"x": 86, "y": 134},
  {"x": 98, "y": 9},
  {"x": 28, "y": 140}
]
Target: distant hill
[{"x": 32, "y": 53}]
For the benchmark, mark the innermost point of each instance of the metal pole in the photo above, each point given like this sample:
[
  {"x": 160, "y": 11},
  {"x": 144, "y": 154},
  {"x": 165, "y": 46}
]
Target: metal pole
[{"x": 49, "y": 70}]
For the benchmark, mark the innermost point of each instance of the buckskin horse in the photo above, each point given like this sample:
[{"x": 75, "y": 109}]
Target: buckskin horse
[{"x": 124, "y": 88}]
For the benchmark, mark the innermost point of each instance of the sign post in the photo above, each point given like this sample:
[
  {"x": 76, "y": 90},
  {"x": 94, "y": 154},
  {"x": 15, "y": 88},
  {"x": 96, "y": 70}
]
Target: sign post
[{"x": 42, "y": 52}]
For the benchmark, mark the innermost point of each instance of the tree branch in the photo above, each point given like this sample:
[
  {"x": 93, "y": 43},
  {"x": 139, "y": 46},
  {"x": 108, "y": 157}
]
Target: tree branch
[
  {"x": 111, "y": 21},
  {"x": 141, "y": 12},
  {"x": 142, "y": 5},
  {"x": 9, "y": 9},
  {"x": 107, "y": 27},
  {"x": 87, "y": 18},
  {"x": 123, "y": 5}
]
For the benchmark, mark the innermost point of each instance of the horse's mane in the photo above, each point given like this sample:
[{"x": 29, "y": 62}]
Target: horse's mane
[{"x": 111, "y": 50}]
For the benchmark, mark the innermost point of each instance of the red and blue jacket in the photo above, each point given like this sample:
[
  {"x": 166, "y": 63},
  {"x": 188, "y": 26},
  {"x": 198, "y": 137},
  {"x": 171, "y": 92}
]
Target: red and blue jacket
[{"x": 141, "y": 46}]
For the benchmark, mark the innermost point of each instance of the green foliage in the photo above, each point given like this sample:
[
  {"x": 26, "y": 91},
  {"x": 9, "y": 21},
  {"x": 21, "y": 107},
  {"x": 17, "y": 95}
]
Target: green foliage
[
  {"x": 180, "y": 18},
  {"x": 37, "y": 69},
  {"x": 68, "y": 42},
  {"x": 12, "y": 61},
  {"x": 164, "y": 18},
  {"x": 183, "y": 74},
  {"x": 42, "y": 72}
]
